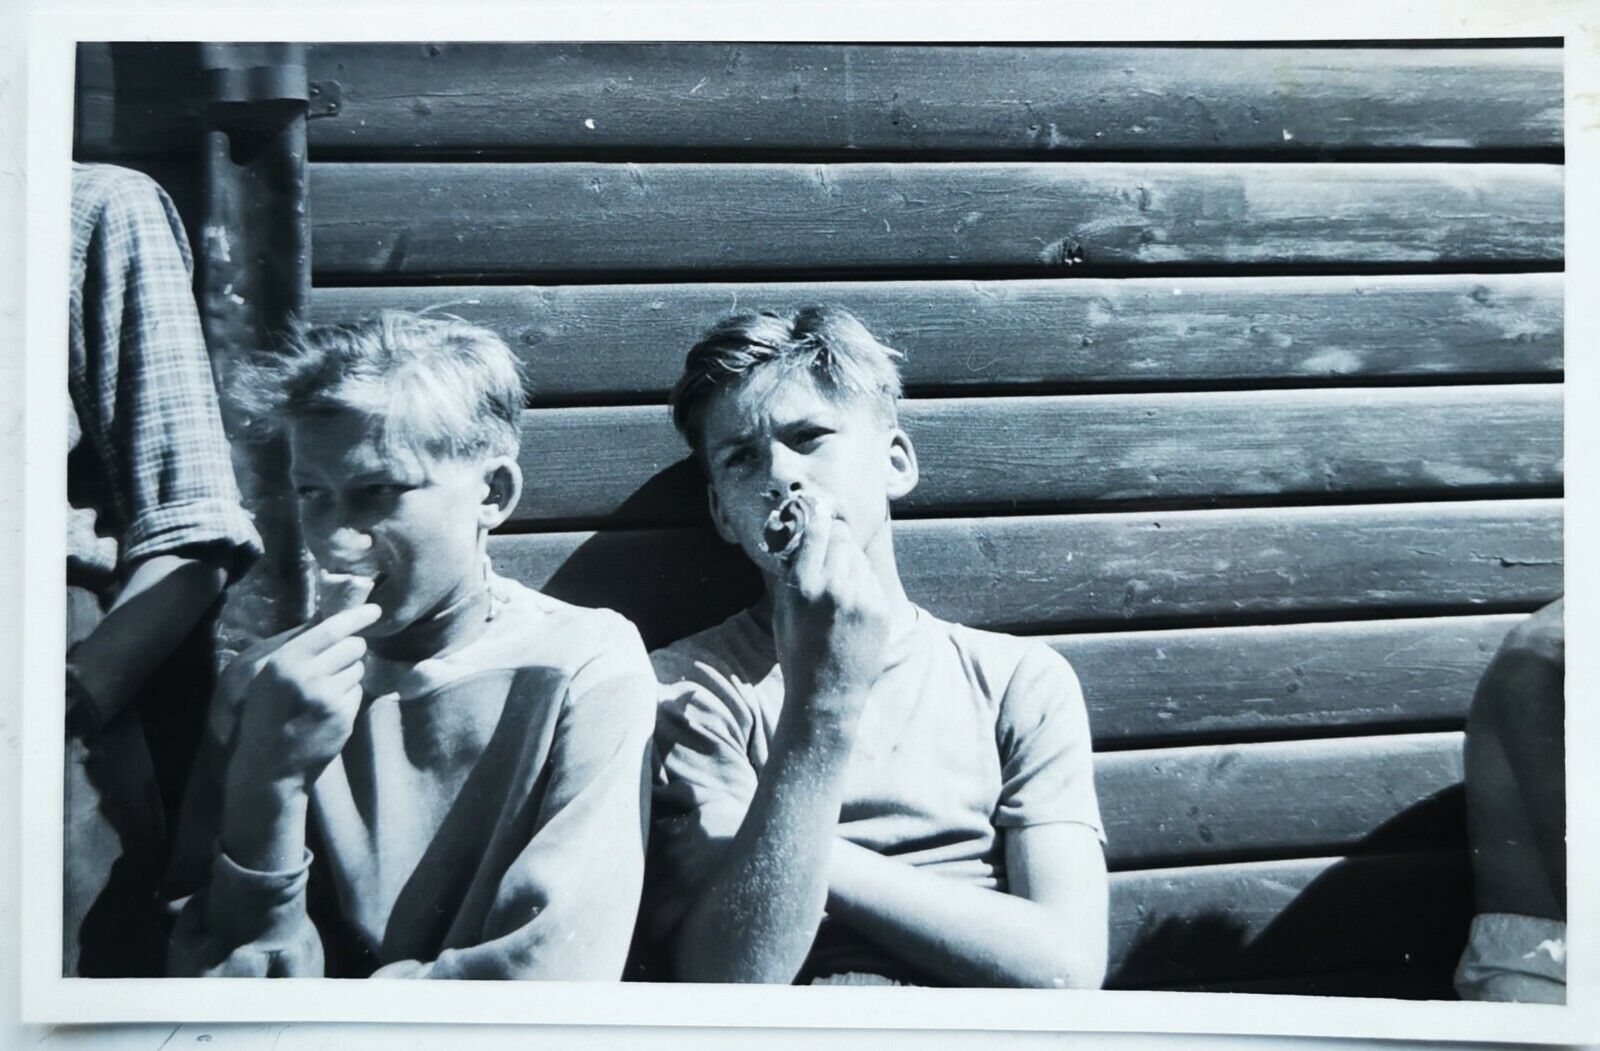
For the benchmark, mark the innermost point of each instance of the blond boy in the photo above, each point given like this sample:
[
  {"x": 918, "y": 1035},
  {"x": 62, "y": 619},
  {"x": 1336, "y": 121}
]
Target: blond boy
[
  {"x": 446, "y": 778},
  {"x": 855, "y": 791}
]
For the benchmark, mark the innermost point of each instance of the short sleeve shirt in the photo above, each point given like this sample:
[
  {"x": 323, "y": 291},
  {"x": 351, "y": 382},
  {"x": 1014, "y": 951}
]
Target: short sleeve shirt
[{"x": 965, "y": 734}]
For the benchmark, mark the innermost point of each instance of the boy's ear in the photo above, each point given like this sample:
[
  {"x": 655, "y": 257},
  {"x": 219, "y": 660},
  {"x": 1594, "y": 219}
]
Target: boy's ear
[
  {"x": 719, "y": 518},
  {"x": 502, "y": 489},
  {"x": 903, "y": 472}
]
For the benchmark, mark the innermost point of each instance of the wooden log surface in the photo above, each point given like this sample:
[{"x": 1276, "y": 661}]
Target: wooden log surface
[
  {"x": 1180, "y": 806},
  {"x": 1279, "y": 920},
  {"x": 525, "y": 99},
  {"x": 542, "y": 221},
  {"x": 135, "y": 100},
  {"x": 1193, "y": 685},
  {"x": 518, "y": 99},
  {"x": 627, "y": 466},
  {"x": 585, "y": 344},
  {"x": 1038, "y": 574}
]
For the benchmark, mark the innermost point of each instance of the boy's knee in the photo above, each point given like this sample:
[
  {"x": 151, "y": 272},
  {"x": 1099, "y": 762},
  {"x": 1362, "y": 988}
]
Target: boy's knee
[
  {"x": 1525, "y": 681},
  {"x": 1541, "y": 636}
]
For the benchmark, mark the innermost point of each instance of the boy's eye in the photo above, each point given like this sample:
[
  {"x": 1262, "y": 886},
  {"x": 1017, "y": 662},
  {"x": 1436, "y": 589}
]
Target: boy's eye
[
  {"x": 382, "y": 494},
  {"x": 735, "y": 459},
  {"x": 811, "y": 436}
]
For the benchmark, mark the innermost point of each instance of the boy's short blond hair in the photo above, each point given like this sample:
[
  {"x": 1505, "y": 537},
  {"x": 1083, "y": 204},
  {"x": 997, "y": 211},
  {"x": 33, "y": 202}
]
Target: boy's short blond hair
[
  {"x": 435, "y": 386},
  {"x": 831, "y": 346}
]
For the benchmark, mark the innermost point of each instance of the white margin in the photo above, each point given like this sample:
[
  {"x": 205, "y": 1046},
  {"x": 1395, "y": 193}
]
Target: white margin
[{"x": 53, "y": 32}]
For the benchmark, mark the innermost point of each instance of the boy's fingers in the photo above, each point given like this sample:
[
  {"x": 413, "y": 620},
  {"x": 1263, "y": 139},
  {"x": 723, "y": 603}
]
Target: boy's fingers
[
  {"x": 807, "y": 570},
  {"x": 346, "y": 653},
  {"x": 320, "y": 636},
  {"x": 249, "y": 660},
  {"x": 345, "y": 678},
  {"x": 845, "y": 561},
  {"x": 350, "y": 704}
]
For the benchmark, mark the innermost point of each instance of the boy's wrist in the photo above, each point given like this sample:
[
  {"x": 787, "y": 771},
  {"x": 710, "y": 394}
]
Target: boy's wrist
[{"x": 263, "y": 824}]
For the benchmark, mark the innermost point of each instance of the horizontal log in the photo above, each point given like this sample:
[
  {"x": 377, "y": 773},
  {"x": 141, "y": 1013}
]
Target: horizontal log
[
  {"x": 626, "y": 466},
  {"x": 522, "y": 98},
  {"x": 608, "y": 342},
  {"x": 136, "y": 100},
  {"x": 1292, "y": 922},
  {"x": 1038, "y": 574},
  {"x": 1179, "y": 806},
  {"x": 1147, "y": 688},
  {"x": 542, "y": 220},
  {"x": 531, "y": 98}
]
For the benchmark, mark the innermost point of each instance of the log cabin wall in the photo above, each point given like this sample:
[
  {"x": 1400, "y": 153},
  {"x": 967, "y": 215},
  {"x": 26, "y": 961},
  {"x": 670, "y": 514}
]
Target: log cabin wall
[{"x": 1234, "y": 372}]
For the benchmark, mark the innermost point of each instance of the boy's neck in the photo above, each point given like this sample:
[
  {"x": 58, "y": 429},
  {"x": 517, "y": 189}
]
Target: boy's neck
[{"x": 438, "y": 633}]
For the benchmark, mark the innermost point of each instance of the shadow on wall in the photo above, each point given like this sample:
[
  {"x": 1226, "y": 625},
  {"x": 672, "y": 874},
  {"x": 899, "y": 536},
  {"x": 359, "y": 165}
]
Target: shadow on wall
[
  {"x": 1390, "y": 920},
  {"x": 670, "y": 583}
]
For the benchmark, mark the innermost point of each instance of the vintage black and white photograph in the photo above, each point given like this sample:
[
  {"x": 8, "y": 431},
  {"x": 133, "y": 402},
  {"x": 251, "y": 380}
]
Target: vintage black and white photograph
[{"x": 1062, "y": 515}]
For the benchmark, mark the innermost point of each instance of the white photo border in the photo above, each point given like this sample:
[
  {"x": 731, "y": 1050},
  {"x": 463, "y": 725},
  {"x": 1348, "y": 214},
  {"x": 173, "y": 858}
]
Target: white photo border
[{"x": 54, "y": 32}]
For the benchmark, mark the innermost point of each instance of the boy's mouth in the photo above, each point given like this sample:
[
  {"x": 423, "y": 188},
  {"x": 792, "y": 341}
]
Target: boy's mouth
[{"x": 339, "y": 591}]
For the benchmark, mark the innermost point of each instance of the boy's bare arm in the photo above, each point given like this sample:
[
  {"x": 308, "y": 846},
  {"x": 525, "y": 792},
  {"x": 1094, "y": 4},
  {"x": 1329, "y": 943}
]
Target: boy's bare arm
[
  {"x": 165, "y": 597},
  {"x": 755, "y": 919},
  {"x": 1049, "y": 932}
]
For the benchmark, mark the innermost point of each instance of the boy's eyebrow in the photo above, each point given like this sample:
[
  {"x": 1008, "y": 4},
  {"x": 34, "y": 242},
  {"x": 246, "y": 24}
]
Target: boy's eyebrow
[{"x": 735, "y": 439}]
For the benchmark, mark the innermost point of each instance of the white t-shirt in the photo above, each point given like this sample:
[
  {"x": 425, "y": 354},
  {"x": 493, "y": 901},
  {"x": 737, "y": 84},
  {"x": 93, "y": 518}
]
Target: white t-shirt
[{"x": 966, "y": 733}]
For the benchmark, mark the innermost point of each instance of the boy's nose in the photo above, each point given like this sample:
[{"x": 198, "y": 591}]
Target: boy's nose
[
  {"x": 784, "y": 474},
  {"x": 778, "y": 493},
  {"x": 347, "y": 546}
]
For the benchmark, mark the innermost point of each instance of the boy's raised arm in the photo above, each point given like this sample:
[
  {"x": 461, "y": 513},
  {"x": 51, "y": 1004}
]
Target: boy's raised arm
[
  {"x": 756, "y": 916},
  {"x": 294, "y": 718}
]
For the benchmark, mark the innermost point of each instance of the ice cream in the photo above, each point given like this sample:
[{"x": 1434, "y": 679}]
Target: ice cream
[
  {"x": 785, "y": 527},
  {"x": 337, "y": 592}
]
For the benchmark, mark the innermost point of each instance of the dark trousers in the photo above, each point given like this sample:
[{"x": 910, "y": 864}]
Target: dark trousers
[{"x": 123, "y": 783}]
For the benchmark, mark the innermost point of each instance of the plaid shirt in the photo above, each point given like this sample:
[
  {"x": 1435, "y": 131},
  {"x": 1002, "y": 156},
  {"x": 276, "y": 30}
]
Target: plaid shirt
[{"x": 148, "y": 467}]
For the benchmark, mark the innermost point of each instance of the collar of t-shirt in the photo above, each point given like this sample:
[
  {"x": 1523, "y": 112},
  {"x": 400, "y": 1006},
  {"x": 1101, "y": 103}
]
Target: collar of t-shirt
[{"x": 905, "y": 640}]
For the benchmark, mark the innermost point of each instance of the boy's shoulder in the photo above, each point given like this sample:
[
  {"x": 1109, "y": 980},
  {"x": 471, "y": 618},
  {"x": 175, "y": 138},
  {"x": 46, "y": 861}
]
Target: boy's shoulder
[
  {"x": 537, "y": 630},
  {"x": 736, "y": 648},
  {"x": 997, "y": 661}
]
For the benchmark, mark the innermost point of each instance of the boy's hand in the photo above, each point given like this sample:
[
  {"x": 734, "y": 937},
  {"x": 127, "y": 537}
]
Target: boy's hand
[
  {"x": 235, "y": 681},
  {"x": 301, "y": 703},
  {"x": 830, "y": 620}
]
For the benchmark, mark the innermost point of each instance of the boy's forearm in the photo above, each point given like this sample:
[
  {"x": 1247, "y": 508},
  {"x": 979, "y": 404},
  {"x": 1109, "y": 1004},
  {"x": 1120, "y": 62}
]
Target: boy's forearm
[
  {"x": 757, "y": 916},
  {"x": 164, "y": 599},
  {"x": 963, "y": 934},
  {"x": 264, "y": 825}
]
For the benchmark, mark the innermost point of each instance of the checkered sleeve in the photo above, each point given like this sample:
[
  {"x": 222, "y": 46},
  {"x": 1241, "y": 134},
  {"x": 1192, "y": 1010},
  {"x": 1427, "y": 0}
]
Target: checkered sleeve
[{"x": 159, "y": 403}]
